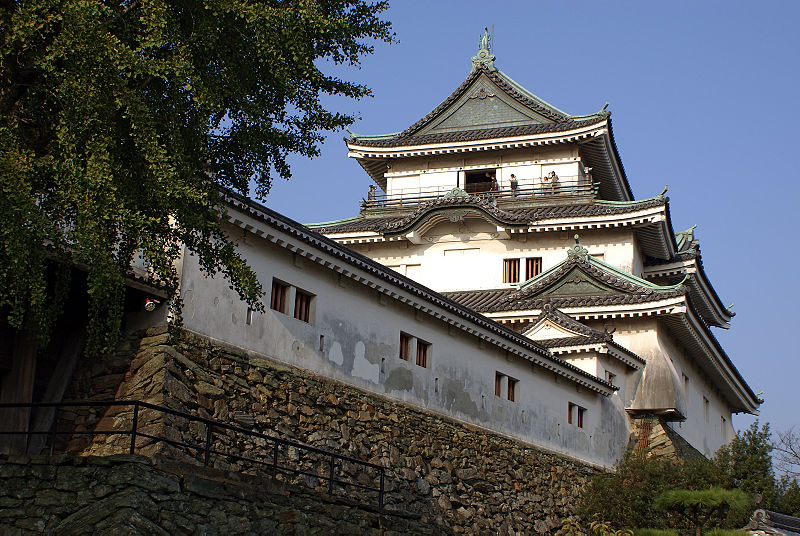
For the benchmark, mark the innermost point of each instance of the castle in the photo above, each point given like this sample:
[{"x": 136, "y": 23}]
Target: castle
[
  {"x": 501, "y": 273},
  {"x": 501, "y": 321}
]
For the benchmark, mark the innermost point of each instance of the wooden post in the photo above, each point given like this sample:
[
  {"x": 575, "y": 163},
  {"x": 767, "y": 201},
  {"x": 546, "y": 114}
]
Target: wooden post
[
  {"x": 44, "y": 418},
  {"x": 17, "y": 387}
]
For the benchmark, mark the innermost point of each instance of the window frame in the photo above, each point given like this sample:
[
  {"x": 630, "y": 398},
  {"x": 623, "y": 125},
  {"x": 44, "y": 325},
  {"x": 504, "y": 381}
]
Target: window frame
[
  {"x": 283, "y": 294},
  {"x": 302, "y": 311},
  {"x": 580, "y": 414},
  {"x": 404, "y": 351},
  {"x": 422, "y": 353},
  {"x": 511, "y": 270},
  {"x": 511, "y": 388},
  {"x": 532, "y": 264}
]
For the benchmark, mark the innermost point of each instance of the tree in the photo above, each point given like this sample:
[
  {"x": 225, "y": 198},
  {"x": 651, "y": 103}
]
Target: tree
[
  {"x": 746, "y": 463},
  {"x": 120, "y": 120},
  {"x": 699, "y": 507},
  {"x": 788, "y": 453}
]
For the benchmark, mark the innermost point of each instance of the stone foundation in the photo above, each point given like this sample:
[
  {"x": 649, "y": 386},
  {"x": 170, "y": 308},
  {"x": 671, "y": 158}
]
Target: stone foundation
[
  {"x": 132, "y": 495},
  {"x": 451, "y": 474}
]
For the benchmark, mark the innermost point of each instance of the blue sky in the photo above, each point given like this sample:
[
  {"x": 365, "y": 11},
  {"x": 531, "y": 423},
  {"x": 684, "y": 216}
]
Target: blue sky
[{"x": 702, "y": 96}]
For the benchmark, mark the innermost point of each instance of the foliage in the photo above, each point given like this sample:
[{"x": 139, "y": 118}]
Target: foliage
[
  {"x": 746, "y": 462},
  {"x": 121, "y": 120},
  {"x": 598, "y": 527},
  {"x": 655, "y": 532},
  {"x": 787, "y": 449},
  {"x": 627, "y": 496},
  {"x": 699, "y": 507},
  {"x": 787, "y": 496}
]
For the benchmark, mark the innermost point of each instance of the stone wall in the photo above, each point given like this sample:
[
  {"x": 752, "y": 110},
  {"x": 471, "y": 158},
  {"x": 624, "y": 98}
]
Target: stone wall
[
  {"x": 451, "y": 474},
  {"x": 130, "y": 495}
]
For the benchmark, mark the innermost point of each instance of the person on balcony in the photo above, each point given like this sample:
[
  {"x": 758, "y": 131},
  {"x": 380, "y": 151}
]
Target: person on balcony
[
  {"x": 550, "y": 181},
  {"x": 514, "y": 185}
]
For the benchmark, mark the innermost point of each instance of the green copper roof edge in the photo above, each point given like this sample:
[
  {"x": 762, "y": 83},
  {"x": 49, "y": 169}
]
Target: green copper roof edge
[
  {"x": 634, "y": 279},
  {"x": 607, "y": 267},
  {"x": 628, "y": 203},
  {"x": 427, "y": 214},
  {"x": 527, "y": 93},
  {"x": 532, "y": 280},
  {"x": 354, "y": 136},
  {"x": 332, "y": 222}
]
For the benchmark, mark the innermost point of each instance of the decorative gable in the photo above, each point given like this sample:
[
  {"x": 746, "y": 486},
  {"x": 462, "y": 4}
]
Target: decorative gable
[
  {"x": 581, "y": 275},
  {"x": 576, "y": 282},
  {"x": 483, "y": 105},
  {"x": 547, "y": 329}
]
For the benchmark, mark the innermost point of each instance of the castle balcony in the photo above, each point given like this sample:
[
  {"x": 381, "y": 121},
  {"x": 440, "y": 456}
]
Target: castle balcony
[{"x": 539, "y": 191}]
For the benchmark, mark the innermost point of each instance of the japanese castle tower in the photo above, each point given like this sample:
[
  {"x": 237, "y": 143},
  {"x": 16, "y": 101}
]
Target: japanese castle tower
[{"x": 523, "y": 213}]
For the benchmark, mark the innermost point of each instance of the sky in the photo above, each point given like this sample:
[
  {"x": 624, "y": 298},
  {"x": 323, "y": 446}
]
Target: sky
[{"x": 702, "y": 99}]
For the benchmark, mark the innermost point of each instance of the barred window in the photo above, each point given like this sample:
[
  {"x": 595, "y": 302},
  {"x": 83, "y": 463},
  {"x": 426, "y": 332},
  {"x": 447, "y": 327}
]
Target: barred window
[
  {"x": 422, "y": 353},
  {"x": 533, "y": 267},
  {"x": 302, "y": 306},
  {"x": 405, "y": 346},
  {"x": 510, "y": 270},
  {"x": 278, "y": 299}
]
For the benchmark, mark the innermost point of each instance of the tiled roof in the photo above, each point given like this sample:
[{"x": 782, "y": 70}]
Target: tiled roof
[
  {"x": 567, "y": 322},
  {"x": 487, "y": 301},
  {"x": 564, "y": 342},
  {"x": 473, "y": 135},
  {"x": 510, "y": 216},
  {"x": 624, "y": 289},
  {"x": 560, "y": 120}
]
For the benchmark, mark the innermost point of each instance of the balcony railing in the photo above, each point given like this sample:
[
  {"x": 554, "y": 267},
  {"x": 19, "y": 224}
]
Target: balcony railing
[{"x": 411, "y": 197}]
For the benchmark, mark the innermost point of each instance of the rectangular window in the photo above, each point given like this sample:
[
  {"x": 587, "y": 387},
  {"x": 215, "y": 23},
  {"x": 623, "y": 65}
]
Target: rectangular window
[
  {"x": 705, "y": 407},
  {"x": 422, "y": 353},
  {"x": 533, "y": 267},
  {"x": 405, "y": 346},
  {"x": 278, "y": 300},
  {"x": 611, "y": 377},
  {"x": 510, "y": 270},
  {"x": 498, "y": 384},
  {"x": 302, "y": 306},
  {"x": 575, "y": 414},
  {"x": 512, "y": 389}
]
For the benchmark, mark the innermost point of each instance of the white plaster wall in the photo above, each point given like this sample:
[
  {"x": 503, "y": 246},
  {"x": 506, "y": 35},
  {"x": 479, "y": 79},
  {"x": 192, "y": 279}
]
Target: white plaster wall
[
  {"x": 443, "y": 271},
  {"x": 705, "y": 435},
  {"x": 645, "y": 337},
  {"x": 361, "y": 337}
]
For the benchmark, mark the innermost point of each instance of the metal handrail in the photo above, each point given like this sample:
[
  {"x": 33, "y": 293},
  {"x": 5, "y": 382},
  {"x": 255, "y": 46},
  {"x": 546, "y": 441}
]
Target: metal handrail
[
  {"x": 417, "y": 196},
  {"x": 206, "y": 448}
]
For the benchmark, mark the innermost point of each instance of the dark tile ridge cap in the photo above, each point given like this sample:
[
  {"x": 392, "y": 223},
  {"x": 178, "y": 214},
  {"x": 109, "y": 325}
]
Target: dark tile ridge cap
[
  {"x": 564, "y": 342},
  {"x": 474, "y": 134},
  {"x": 317, "y": 240}
]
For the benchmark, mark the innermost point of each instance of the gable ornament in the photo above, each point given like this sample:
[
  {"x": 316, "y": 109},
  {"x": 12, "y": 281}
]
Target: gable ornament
[
  {"x": 484, "y": 58},
  {"x": 578, "y": 250}
]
